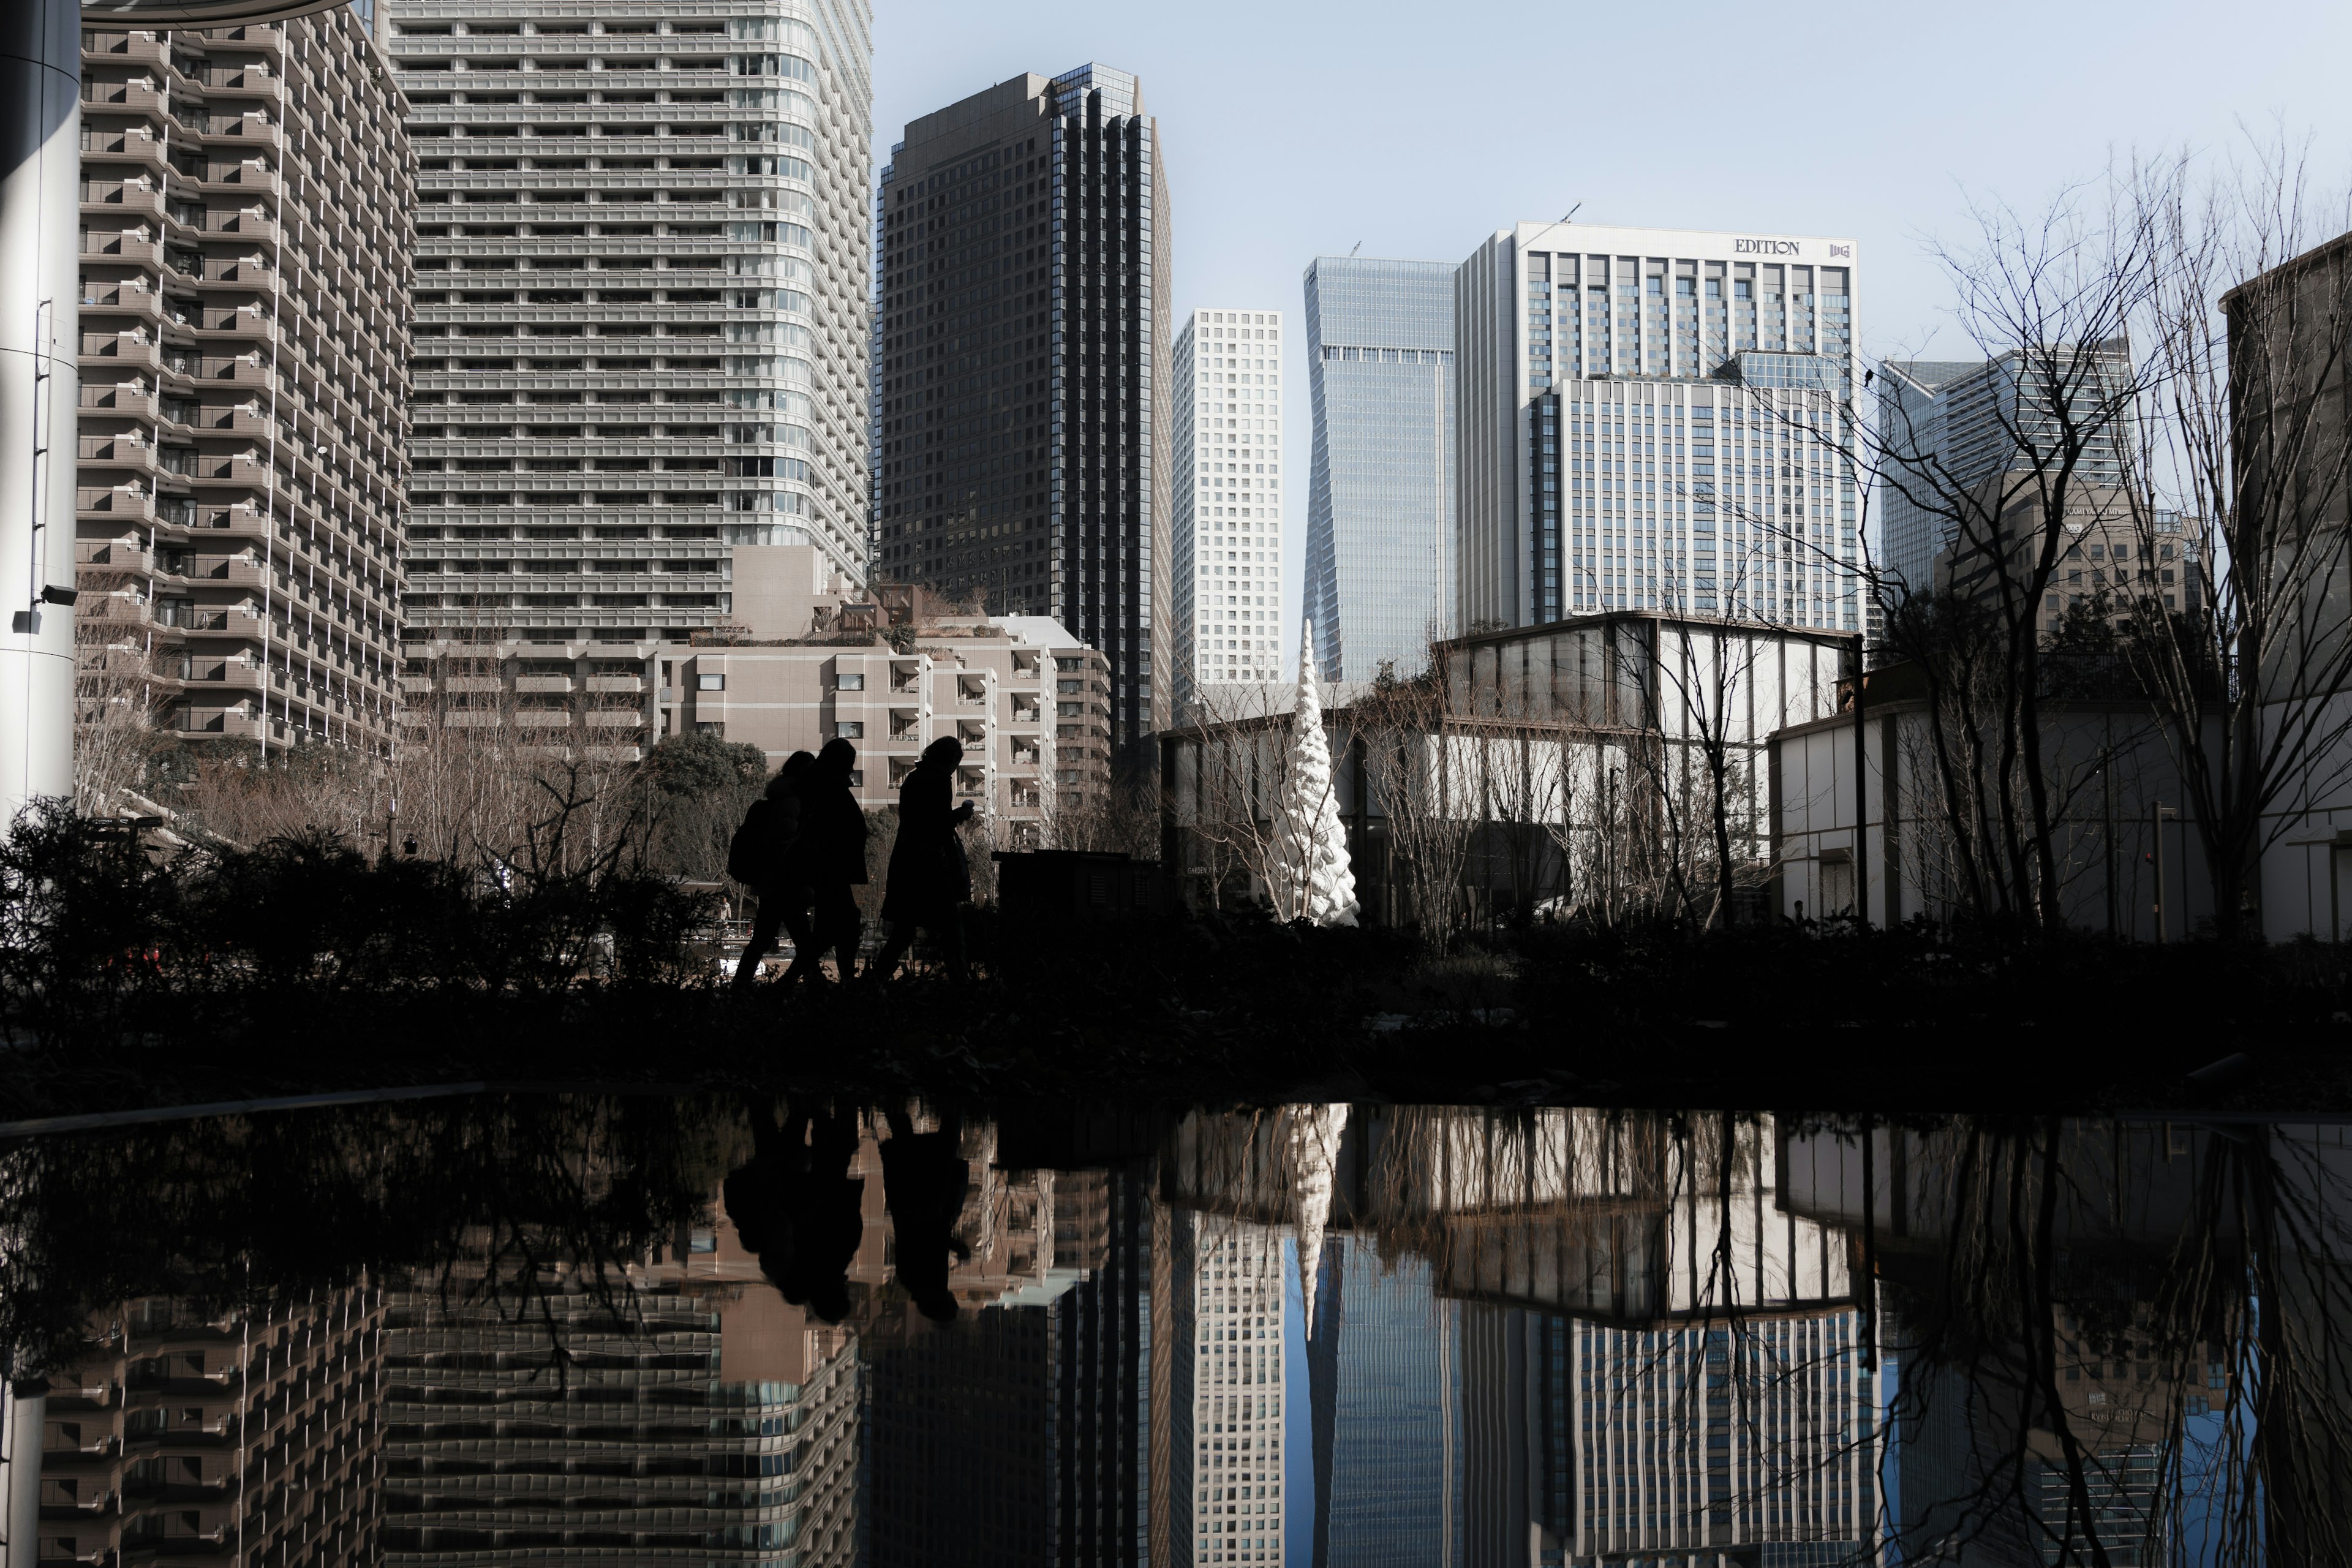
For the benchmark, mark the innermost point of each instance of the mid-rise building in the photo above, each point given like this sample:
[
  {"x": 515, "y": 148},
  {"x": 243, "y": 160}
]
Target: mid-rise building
[
  {"x": 1022, "y": 440},
  {"x": 1226, "y": 521},
  {"x": 642, "y": 318},
  {"x": 246, "y": 205},
  {"x": 808, "y": 659},
  {"x": 1381, "y": 548},
  {"x": 1946, "y": 426},
  {"x": 1657, "y": 419}
]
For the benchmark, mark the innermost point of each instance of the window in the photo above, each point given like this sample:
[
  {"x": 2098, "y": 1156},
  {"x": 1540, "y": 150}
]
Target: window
[
  {"x": 710, "y": 683},
  {"x": 851, "y": 680},
  {"x": 850, "y": 729}
]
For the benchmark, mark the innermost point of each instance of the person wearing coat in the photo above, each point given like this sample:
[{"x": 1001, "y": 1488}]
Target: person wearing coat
[
  {"x": 782, "y": 903},
  {"x": 929, "y": 879},
  {"x": 829, "y": 858}
]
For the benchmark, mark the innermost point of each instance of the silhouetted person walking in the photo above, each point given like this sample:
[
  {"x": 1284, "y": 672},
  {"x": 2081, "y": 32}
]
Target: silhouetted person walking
[
  {"x": 798, "y": 1207},
  {"x": 762, "y": 858},
  {"x": 830, "y": 859},
  {"x": 929, "y": 879},
  {"x": 924, "y": 1178}
]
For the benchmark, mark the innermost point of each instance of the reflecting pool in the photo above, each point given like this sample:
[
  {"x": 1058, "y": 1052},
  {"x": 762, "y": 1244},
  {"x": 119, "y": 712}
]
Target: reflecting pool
[{"x": 642, "y": 1329}]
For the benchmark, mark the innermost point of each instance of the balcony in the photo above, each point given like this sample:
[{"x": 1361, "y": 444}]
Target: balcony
[{"x": 545, "y": 685}]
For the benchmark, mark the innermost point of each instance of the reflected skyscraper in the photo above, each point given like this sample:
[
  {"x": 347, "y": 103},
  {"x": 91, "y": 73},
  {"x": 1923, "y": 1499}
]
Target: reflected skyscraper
[
  {"x": 1382, "y": 549},
  {"x": 1385, "y": 1366}
]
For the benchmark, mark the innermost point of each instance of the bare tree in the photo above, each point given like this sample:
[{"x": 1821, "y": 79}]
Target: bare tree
[
  {"x": 2240, "y": 447},
  {"x": 2047, "y": 300},
  {"x": 1426, "y": 768},
  {"x": 1231, "y": 765}
]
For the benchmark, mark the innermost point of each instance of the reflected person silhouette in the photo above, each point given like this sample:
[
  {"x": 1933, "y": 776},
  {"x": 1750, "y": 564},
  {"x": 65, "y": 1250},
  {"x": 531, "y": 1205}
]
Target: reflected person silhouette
[
  {"x": 924, "y": 1178},
  {"x": 797, "y": 1206}
]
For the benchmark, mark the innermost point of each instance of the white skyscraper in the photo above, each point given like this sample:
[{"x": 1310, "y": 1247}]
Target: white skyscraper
[
  {"x": 1240, "y": 1310},
  {"x": 1655, "y": 419},
  {"x": 1227, "y": 517}
]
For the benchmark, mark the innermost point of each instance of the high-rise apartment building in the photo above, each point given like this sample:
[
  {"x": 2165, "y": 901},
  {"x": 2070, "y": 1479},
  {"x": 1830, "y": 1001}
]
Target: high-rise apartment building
[
  {"x": 1946, "y": 426},
  {"x": 642, "y": 311},
  {"x": 1381, "y": 548},
  {"x": 1226, "y": 480},
  {"x": 245, "y": 207},
  {"x": 1022, "y": 451},
  {"x": 1657, "y": 419}
]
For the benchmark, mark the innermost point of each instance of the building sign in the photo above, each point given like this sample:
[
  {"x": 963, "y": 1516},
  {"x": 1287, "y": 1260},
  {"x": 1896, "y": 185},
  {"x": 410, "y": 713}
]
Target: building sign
[{"x": 1766, "y": 247}]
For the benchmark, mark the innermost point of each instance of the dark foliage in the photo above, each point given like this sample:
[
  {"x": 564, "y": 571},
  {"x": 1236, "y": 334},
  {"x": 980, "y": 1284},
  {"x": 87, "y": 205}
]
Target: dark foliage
[
  {"x": 301, "y": 966},
  {"x": 103, "y": 943}
]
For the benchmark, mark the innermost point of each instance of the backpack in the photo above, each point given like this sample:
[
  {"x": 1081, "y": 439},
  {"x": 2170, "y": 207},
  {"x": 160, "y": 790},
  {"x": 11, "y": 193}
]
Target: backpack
[{"x": 755, "y": 855}]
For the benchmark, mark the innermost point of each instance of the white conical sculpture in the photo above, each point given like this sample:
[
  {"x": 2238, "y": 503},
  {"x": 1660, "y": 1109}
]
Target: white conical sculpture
[
  {"x": 1312, "y": 878},
  {"x": 1313, "y": 1158}
]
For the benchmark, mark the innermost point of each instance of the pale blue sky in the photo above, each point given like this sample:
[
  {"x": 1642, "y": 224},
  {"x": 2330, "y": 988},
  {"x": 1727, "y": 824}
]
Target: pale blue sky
[{"x": 1293, "y": 130}]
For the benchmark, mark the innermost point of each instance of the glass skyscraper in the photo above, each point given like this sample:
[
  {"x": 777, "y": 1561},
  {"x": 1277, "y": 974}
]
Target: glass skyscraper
[
  {"x": 1380, "y": 541},
  {"x": 1946, "y": 426}
]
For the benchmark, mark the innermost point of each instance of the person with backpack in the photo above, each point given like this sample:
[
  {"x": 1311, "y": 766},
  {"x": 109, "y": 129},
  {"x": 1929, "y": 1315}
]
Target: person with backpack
[
  {"x": 929, "y": 877},
  {"x": 760, "y": 857},
  {"x": 829, "y": 858}
]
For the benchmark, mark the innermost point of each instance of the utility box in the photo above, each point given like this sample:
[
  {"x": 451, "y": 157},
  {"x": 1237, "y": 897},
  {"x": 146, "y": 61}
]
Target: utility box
[{"x": 1074, "y": 885}]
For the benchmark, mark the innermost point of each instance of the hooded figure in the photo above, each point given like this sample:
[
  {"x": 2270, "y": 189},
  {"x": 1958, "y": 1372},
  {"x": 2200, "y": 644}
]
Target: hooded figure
[
  {"x": 774, "y": 820},
  {"x": 929, "y": 879},
  {"x": 829, "y": 858}
]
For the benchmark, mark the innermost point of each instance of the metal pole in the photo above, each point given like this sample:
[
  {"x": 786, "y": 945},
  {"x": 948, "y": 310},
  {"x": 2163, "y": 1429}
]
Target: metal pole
[
  {"x": 20, "y": 1459},
  {"x": 1861, "y": 794},
  {"x": 40, "y": 330}
]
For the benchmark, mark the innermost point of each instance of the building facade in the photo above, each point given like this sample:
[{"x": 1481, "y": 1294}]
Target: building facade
[
  {"x": 246, "y": 207},
  {"x": 1022, "y": 444},
  {"x": 1657, "y": 419},
  {"x": 642, "y": 318},
  {"x": 1227, "y": 521},
  {"x": 1381, "y": 548},
  {"x": 244, "y": 1439},
  {"x": 998, "y": 686},
  {"x": 1946, "y": 426},
  {"x": 698, "y": 1418}
]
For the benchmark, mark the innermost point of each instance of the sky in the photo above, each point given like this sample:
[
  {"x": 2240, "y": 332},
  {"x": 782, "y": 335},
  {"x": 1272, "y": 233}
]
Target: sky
[{"x": 1296, "y": 129}]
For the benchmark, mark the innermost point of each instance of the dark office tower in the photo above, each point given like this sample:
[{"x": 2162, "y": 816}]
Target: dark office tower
[
  {"x": 1102, "y": 1224},
  {"x": 1022, "y": 350}
]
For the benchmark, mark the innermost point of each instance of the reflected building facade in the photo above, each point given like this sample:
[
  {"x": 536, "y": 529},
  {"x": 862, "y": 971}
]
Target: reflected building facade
[
  {"x": 246, "y": 1438},
  {"x": 692, "y": 1415},
  {"x": 1385, "y": 1366}
]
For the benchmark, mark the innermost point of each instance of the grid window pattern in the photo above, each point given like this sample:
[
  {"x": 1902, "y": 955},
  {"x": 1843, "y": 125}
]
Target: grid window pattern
[
  {"x": 1652, "y": 420},
  {"x": 640, "y": 302},
  {"x": 1226, "y": 529},
  {"x": 244, "y": 216}
]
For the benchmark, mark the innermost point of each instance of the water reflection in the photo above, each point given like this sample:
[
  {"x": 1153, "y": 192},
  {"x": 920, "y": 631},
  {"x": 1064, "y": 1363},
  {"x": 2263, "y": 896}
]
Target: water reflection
[{"x": 588, "y": 1330}]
